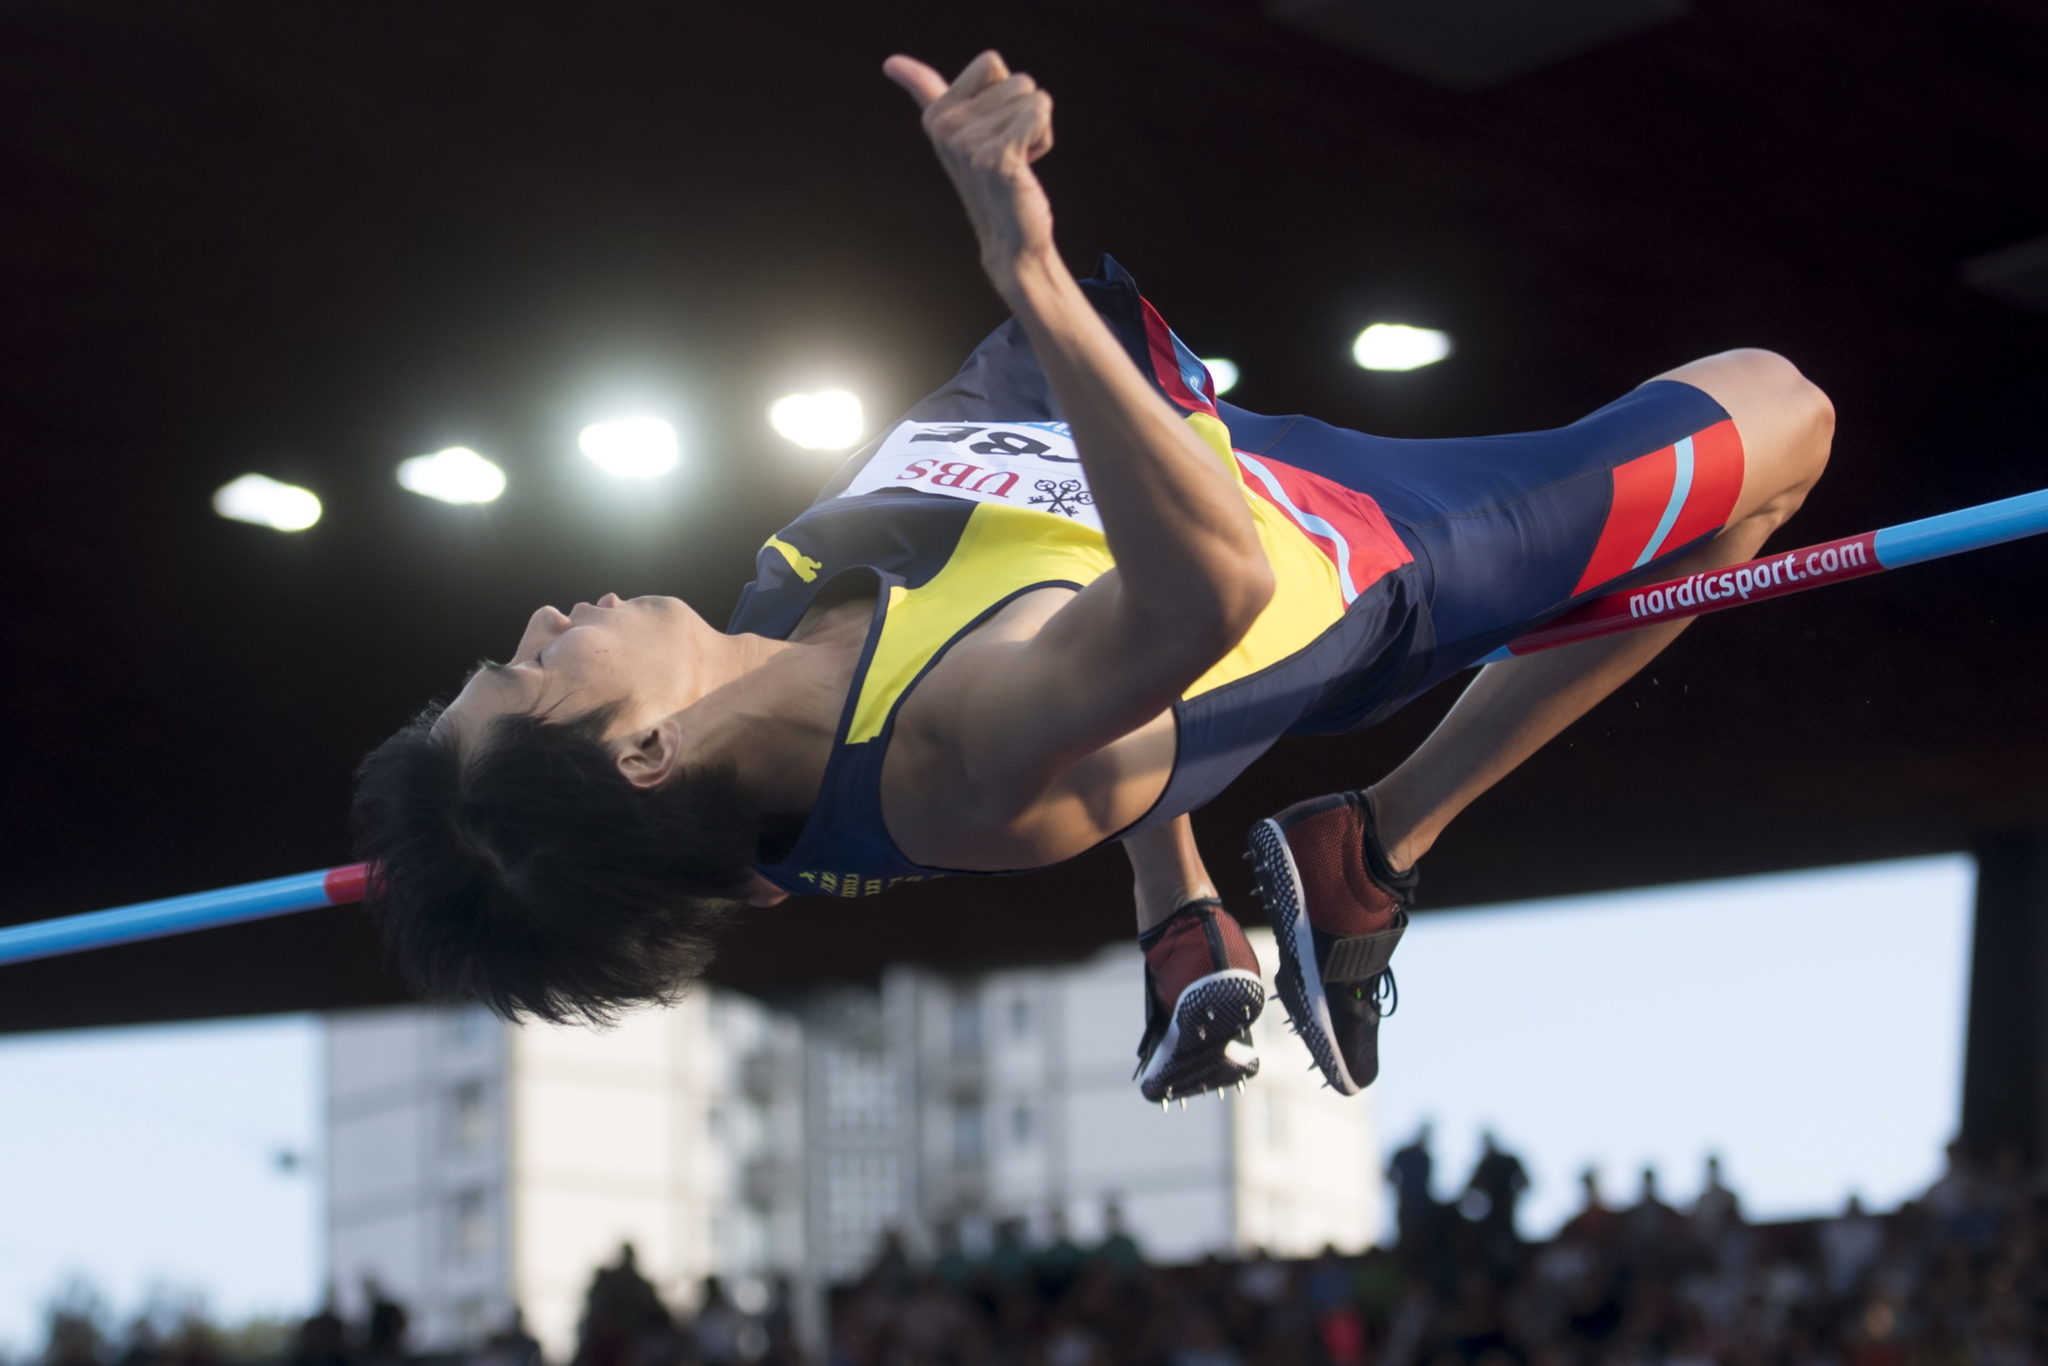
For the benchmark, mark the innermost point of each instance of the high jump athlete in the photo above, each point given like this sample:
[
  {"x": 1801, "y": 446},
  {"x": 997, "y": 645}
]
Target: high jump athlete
[{"x": 1064, "y": 601}]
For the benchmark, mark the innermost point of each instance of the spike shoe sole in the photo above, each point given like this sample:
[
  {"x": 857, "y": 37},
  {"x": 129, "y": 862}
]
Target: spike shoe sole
[{"x": 1206, "y": 1047}]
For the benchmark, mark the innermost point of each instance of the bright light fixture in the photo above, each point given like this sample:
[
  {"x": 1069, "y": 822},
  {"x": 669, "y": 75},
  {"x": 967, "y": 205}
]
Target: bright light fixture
[
  {"x": 456, "y": 475},
  {"x": 1222, "y": 374},
  {"x": 1397, "y": 346},
  {"x": 632, "y": 448},
  {"x": 827, "y": 421},
  {"x": 262, "y": 501}
]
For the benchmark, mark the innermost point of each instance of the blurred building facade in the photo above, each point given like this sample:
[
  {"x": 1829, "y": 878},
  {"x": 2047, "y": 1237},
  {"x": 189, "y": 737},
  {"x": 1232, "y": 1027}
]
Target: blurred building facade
[
  {"x": 474, "y": 1165},
  {"x": 934, "y": 1102}
]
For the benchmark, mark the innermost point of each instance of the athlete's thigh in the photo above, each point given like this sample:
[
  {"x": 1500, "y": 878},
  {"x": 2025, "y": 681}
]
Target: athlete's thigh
[{"x": 1512, "y": 529}]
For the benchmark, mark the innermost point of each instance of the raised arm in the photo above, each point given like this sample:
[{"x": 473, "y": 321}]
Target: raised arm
[{"x": 1190, "y": 576}]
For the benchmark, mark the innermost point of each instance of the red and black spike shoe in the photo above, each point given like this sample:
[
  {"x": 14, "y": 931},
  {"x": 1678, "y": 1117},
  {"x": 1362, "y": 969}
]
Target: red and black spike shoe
[
  {"x": 1337, "y": 909},
  {"x": 1202, "y": 992}
]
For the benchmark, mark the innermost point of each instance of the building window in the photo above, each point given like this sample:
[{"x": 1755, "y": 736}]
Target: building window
[
  {"x": 464, "y": 1027},
  {"x": 1020, "y": 1017},
  {"x": 966, "y": 1024},
  {"x": 970, "y": 1138},
  {"x": 1022, "y": 1124},
  {"x": 469, "y": 1118},
  {"x": 859, "y": 1094},
  {"x": 469, "y": 1226},
  {"x": 863, "y": 1196}
]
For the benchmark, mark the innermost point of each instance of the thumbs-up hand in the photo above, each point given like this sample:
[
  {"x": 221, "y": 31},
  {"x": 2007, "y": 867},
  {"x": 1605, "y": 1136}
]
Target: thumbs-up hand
[{"x": 988, "y": 126}]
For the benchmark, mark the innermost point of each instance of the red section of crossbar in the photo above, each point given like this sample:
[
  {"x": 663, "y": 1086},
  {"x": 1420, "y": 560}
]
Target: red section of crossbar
[
  {"x": 344, "y": 885},
  {"x": 1773, "y": 576}
]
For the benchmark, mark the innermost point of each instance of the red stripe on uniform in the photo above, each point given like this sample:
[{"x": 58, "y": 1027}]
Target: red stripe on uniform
[
  {"x": 1166, "y": 365},
  {"x": 1642, "y": 490},
  {"x": 1716, "y": 482},
  {"x": 1373, "y": 546}
]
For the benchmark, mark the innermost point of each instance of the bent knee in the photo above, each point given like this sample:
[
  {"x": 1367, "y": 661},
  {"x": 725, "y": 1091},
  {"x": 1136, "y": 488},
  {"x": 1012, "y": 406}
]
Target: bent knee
[
  {"x": 1785, "y": 420},
  {"x": 1787, "y": 388}
]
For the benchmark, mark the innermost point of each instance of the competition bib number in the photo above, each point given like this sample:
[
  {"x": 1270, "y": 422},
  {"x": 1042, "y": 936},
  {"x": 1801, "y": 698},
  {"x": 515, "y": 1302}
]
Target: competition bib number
[{"x": 1029, "y": 465}]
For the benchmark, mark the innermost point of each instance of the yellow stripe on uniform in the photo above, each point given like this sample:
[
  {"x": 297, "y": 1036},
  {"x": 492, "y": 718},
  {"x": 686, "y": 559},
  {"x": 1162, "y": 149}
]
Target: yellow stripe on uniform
[
  {"x": 806, "y": 568},
  {"x": 1003, "y": 549}
]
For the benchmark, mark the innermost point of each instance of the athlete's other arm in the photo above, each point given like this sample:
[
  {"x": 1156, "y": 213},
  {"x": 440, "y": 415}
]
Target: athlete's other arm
[{"x": 1190, "y": 576}]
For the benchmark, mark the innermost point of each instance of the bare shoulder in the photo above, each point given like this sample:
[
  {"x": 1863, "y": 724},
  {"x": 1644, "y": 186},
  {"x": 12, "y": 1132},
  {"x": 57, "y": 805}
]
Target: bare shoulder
[
  {"x": 963, "y": 785},
  {"x": 948, "y": 747}
]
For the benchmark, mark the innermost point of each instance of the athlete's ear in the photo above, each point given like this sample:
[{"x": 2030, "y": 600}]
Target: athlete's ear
[{"x": 652, "y": 755}]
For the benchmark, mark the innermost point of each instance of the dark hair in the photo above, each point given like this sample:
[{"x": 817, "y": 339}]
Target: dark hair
[{"x": 527, "y": 873}]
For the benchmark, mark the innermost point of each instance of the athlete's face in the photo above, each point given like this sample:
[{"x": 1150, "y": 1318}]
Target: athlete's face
[
  {"x": 636, "y": 653},
  {"x": 646, "y": 654}
]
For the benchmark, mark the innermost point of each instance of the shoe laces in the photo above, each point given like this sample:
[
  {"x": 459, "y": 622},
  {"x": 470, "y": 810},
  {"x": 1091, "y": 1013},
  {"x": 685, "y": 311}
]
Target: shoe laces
[{"x": 1379, "y": 990}]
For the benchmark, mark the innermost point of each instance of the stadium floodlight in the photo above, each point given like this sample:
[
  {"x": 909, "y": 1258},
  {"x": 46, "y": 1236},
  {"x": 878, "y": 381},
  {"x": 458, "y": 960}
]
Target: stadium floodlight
[
  {"x": 830, "y": 420},
  {"x": 631, "y": 448},
  {"x": 263, "y": 501},
  {"x": 1222, "y": 374},
  {"x": 1397, "y": 346},
  {"x": 456, "y": 475}
]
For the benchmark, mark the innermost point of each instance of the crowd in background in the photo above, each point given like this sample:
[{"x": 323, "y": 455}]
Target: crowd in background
[{"x": 1955, "y": 1278}]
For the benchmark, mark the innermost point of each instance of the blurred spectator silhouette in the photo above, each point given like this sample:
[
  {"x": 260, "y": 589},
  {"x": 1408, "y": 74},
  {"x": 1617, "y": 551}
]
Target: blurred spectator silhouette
[
  {"x": 1499, "y": 1178},
  {"x": 72, "y": 1337},
  {"x": 384, "y": 1329},
  {"x": 323, "y": 1338},
  {"x": 1118, "y": 1250},
  {"x": 724, "y": 1333},
  {"x": 1849, "y": 1247},
  {"x": 1009, "y": 1260},
  {"x": 1418, "y": 1219},
  {"x": 891, "y": 1265},
  {"x": 511, "y": 1345},
  {"x": 952, "y": 1264},
  {"x": 145, "y": 1346},
  {"x": 778, "y": 1324},
  {"x": 1058, "y": 1264},
  {"x": 1649, "y": 1228},
  {"x": 1593, "y": 1227},
  {"x": 1716, "y": 1210},
  {"x": 624, "y": 1321}
]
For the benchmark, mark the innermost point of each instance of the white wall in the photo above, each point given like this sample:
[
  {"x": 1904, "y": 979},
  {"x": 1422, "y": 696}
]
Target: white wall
[
  {"x": 647, "y": 1133},
  {"x": 474, "y": 1165},
  {"x": 415, "y": 1194},
  {"x": 1285, "y": 1164},
  {"x": 1308, "y": 1159}
]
